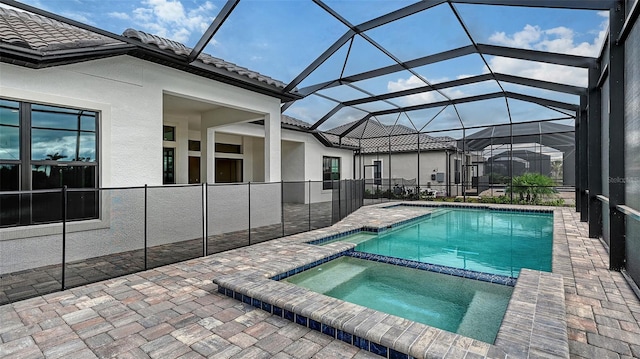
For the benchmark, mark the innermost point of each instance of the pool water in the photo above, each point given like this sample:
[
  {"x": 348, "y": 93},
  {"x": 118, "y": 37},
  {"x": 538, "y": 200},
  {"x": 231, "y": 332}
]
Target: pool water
[
  {"x": 495, "y": 242},
  {"x": 468, "y": 307}
]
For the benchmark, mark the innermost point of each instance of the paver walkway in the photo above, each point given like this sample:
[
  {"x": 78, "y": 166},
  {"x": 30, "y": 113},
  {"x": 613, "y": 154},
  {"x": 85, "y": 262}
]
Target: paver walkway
[
  {"x": 603, "y": 312},
  {"x": 174, "y": 311}
]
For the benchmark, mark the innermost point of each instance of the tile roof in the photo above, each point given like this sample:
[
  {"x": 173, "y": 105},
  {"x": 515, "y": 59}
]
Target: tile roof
[
  {"x": 407, "y": 143},
  {"x": 372, "y": 129},
  {"x": 39, "y": 33},
  {"x": 288, "y": 120},
  {"x": 180, "y": 49},
  {"x": 375, "y": 138},
  {"x": 43, "y": 34}
]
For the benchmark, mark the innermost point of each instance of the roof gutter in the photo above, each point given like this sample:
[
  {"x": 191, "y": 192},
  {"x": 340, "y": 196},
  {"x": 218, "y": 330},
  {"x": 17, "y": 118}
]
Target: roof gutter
[
  {"x": 322, "y": 139},
  {"x": 41, "y": 59}
]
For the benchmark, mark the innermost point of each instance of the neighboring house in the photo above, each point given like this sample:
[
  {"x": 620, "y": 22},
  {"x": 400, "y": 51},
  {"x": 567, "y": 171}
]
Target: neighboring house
[{"x": 395, "y": 154}]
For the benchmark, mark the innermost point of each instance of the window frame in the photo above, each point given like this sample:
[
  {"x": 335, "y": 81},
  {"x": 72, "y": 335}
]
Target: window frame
[
  {"x": 26, "y": 163},
  {"x": 327, "y": 183},
  {"x": 194, "y": 145},
  {"x": 165, "y": 170},
  {"x": 173, "y": 133},
  {"x": 377, "y": 172},
  {"x": 228, "y": 148}
]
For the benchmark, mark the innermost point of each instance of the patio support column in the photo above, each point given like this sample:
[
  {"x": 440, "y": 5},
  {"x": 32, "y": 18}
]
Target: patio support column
[
  {"x": 594, "y": 119},
  {"x": 208, "y": 154},
  {"x": 272, "y": 147},
  {"x": 584, "y": 167},
  {"x": 616, "y": 140}
]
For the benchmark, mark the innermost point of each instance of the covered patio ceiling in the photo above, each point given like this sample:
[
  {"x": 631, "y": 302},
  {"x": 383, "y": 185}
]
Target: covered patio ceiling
[{"x": 432, "y": 65}]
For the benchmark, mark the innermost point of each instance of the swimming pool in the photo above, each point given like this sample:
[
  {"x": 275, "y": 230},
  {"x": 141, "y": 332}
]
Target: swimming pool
[
  {"x": 468, "y": 307},
  {"x": 488, "y": 241}
]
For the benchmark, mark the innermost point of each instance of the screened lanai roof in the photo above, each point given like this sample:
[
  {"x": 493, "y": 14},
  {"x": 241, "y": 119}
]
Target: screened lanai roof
[
  {"x": 410, "y": 66},
  {"x": 558, "y": 136}
]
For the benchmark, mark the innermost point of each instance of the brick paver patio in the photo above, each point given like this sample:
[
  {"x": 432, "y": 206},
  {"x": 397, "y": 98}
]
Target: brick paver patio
[{"x": 174, "y": 311}]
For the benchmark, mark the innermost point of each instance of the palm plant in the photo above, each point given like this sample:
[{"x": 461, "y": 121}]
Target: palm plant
[{"x": 531, "y": 187}]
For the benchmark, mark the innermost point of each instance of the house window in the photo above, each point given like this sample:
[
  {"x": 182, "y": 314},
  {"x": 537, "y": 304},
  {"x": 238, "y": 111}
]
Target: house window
[
  {"x": 168, "y": 165},
  {"x": 194, "y": 145},
  {"x": 228, "y": 148},
  {"x": 377, "y": 172},
  {"x": 169, "y": 133},
  {"x": 47, "y": 147},
  {"x": 330, "y": 171}
]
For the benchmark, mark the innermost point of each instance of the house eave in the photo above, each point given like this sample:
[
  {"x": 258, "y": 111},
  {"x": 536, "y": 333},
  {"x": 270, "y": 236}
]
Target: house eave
[{"x": 38, "y": 59}]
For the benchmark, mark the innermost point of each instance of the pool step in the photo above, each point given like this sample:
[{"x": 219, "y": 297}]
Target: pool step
[
  {"x": 475, "y": 319},
  {"x": 334, "y": 276}
]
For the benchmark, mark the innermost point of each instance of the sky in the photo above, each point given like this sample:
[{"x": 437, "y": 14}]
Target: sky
[{"x": 280, "y": 38}]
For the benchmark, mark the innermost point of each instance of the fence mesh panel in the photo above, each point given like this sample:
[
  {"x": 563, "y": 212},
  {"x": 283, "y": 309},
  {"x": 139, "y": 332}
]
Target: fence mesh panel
[
  {"x": 265, "y": 211},
  {"x": 174, "y": 230},
  {"x": 31, "y": 266},
  {"x": 296, "y": 207},
  {"x": 228, "y": 217},
  {"x": 112, "y": 246}
]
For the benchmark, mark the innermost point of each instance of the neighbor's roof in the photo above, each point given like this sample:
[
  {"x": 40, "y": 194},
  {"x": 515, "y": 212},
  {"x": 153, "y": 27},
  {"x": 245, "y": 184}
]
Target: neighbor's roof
[
  {"x": 377, "y": 137},
  {"x": 403, "y": 138},
  {"x": 36, "y": 41},
  {"x": 407, "y": 143}
]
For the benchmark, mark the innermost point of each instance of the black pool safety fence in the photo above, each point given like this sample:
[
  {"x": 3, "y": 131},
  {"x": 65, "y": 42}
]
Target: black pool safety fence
[{"x": 51, "y": 240}]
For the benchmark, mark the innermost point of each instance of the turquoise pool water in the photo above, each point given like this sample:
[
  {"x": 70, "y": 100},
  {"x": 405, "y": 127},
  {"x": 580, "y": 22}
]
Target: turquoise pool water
[
  {"x": 468, "y": 307},
  {"x": 495, "y": 242}
]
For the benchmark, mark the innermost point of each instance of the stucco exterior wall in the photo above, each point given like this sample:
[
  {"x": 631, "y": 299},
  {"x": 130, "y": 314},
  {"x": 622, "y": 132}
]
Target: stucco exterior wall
[{"x": 128, "y": 93}]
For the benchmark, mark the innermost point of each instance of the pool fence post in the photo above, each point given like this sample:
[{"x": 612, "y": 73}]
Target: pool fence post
[
  {"x": 249, "y": 205},
  {"x": 339, "y": 200},
  {"x": 146, "y": 190},
  {"x": 309, "y": 190},
  {"x": 204, "y": 219},
  {"x": 282, "y": 205},
  {"x": 64, "y": 234}
]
